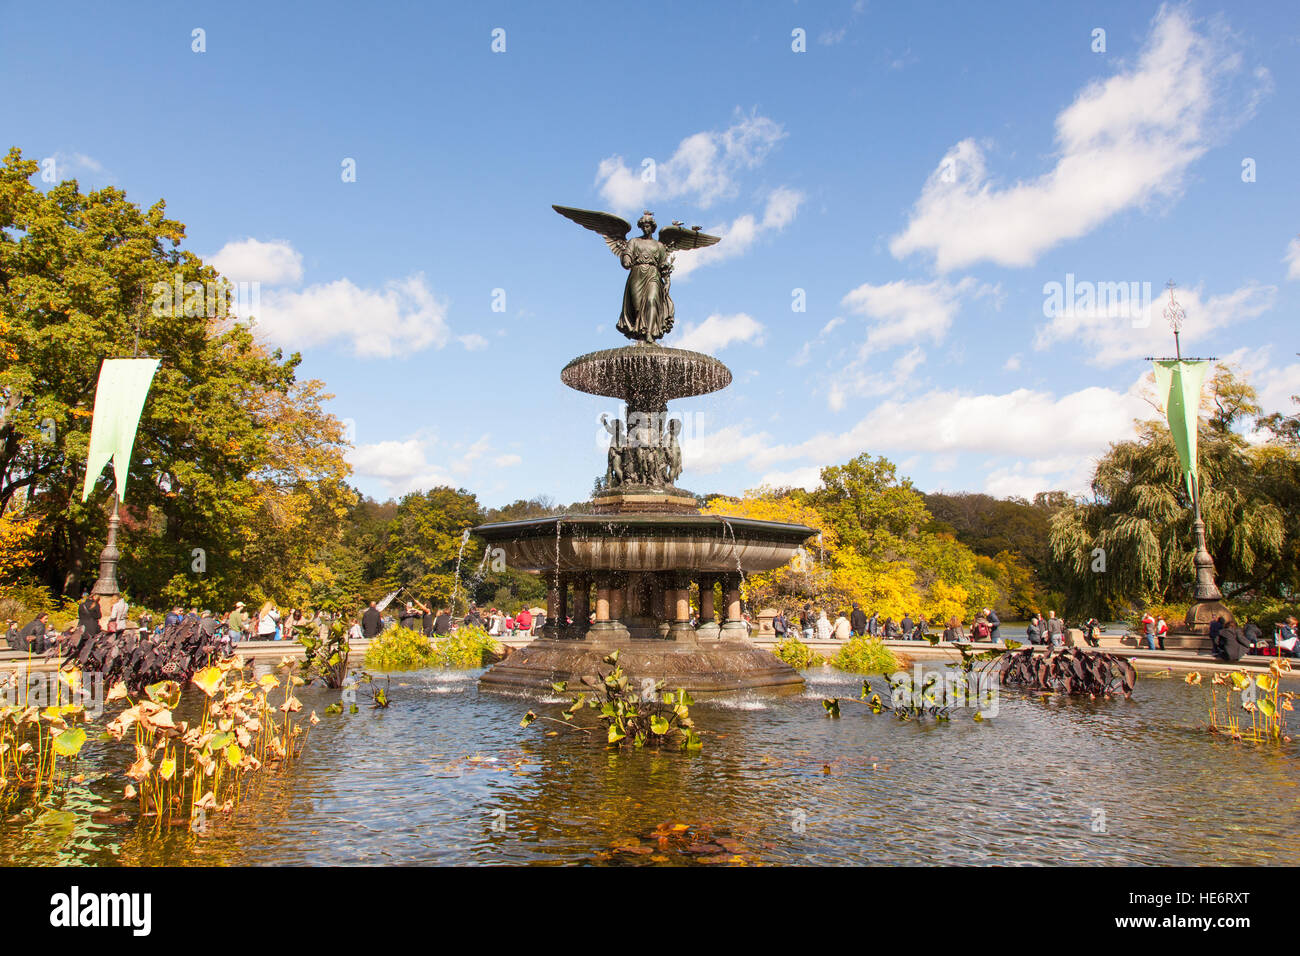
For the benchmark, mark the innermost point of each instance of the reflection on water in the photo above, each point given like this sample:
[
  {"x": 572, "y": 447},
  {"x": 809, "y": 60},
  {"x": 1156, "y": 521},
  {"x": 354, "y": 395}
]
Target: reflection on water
[{"x": 446, "y": 775}]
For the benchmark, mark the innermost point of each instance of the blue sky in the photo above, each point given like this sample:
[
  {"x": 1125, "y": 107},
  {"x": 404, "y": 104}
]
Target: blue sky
[{"x": 922, "y": 172}]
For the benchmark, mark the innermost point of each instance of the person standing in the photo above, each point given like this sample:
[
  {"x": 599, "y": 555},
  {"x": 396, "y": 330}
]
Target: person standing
[
  {"x": 1055, "y": 630},
  {"x": 858, "y": 621},
  {"x": 1149, "y": 631},
  {"x": 87, "y": 616},
  {"x": 907, "y": 625},
  {"x": 1162, "y": 631},
  {"x": 873, "y": 624},
  {"x": 779, "y": 625},
  {"x": 408, "y": 617},
  {"x": 372, "y": 622},
  {"x": 268, "y": 622},
  {"x": 117, "y": 615},
  {"x": 426, "y": 618},
  {"x": 921, "y": 625},
  {"x": 236, "y": 621},
  {"x": 523, "y": 621},
  {"x": 806, "y": 622},
  {"x": 994, "y": 623}
]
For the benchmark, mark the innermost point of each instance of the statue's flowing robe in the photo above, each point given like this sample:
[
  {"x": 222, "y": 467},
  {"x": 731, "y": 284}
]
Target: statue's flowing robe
[{"x": 647, "y": 309}]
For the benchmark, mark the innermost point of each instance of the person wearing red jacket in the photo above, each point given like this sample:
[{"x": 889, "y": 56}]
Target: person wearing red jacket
[{"x": 524, "y": 620}]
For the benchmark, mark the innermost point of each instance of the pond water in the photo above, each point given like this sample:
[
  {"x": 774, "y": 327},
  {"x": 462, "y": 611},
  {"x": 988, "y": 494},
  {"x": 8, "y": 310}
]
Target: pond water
[{"x": 447, "y": 776}]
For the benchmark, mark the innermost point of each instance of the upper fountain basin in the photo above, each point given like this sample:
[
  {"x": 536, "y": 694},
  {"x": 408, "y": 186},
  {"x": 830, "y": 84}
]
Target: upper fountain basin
[
  {"x": 645, "y": 542},
  {"x": 646, "y": 376}
]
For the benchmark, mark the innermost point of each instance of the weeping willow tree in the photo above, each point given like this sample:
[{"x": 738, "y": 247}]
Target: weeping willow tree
[{"x": 1132, "y": 545}]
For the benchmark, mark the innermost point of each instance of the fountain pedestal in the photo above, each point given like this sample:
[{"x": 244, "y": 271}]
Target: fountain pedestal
[{"x": 626, "y": 570}]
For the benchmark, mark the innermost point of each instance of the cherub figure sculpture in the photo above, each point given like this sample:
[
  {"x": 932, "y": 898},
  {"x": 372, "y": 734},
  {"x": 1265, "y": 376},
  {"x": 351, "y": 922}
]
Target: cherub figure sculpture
[
  {"x": 614, "y": 469},
  {"x": 647, "y": 314},
  {"x": 673, "y": 452}
]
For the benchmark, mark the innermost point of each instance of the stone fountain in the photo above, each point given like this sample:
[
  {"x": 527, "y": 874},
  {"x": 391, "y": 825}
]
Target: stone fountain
[{"x": 643, "y": 549}]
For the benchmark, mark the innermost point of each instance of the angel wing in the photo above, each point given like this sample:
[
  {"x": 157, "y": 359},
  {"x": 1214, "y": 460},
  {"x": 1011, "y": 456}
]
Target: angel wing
[
  {"x": 677, "y": 239},
  {"x": 611, "y": 227}
]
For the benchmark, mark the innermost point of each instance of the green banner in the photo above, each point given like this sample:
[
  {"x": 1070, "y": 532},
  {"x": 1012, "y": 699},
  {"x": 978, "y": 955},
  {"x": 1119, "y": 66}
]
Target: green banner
[
  {"x": 119, "y": 400},
  {"x": 1178, "y": 383}
]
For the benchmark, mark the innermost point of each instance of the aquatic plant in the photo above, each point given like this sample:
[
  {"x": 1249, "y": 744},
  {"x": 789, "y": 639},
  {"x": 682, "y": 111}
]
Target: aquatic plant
[
  {"x": 33, "y": 738},
  {"x": 797, "y": 654},
  {"x": 466, "y": 648},
  {"x": 868, "y": 655},
  {"x": 1260, "y": 695},
  {"x": 181, "y": 770},
  {"x": 908, "y": 697},
  {"x": 400, "y": 649},
  {"x": 1070, "y": 671},
  {"x": 326, "y": 659},
  {"x": 645, "y": 716},
  {"x": 141, "y": 660}
]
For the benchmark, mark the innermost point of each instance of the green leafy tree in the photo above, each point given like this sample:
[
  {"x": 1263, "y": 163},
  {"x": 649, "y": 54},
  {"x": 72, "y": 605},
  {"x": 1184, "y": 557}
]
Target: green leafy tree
[
  {"x": 1133, "y": 544},
  {"x": 236, "y": 481}
]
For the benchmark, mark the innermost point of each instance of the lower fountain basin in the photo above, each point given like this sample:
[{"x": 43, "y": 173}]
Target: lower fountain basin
[{"x": 645, "y": 542}]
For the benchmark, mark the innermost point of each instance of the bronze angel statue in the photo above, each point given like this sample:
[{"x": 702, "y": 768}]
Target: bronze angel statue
[{"x": 647, "y": 314}]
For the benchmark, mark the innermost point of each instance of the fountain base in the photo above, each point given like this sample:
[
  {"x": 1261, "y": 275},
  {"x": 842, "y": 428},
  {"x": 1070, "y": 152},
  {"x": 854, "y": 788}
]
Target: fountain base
[{"x": 707, "y": 667}]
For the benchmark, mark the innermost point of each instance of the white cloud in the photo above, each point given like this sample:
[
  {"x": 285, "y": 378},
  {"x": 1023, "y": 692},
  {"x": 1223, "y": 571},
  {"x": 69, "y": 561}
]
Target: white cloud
[
  {"x": 79, "y": 165},
  {"x": 506, "y": 461},
  {"x": 1122, "y": 142},
  {"x": 1021, "y": 423},
  {"x": 402, "y": 318},
  {"x": 808, "y": 478},
  {"x": 1115, "y": 332},
  {"x": 905, "y": 311},
  {"x": 473, "y": 342},
  {"x": 703, "y": 167},
  {"x": 1292, "y": 259},
  {"x": 1012, "y": 364},
  {"x": 1071, "y": 473},
  {"x": 398, "y": 466},
  {"x": 718, "y": 331},
  {"x": 742, "y": 233},
  {"x": 710, "y": 452},
  {"x": 251, "y": 260}
]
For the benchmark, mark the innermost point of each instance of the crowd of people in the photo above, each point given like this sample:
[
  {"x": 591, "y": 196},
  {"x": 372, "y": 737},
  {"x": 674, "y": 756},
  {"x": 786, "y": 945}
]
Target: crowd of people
[{"x": 268, "y": 623}]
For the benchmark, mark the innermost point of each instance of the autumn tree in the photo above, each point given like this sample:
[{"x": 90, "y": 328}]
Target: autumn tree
[{"x": 237, "y": 480}]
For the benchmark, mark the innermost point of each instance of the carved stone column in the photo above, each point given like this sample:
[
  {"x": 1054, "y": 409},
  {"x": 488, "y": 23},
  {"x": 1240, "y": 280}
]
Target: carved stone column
[
  {"x": 611, "y": 602},
  {"x": 581, "y": 605},
  {"x": 708, "y": 627},
  {"x": 734, "y": 627},
  {"x": 679, "y": 593}
]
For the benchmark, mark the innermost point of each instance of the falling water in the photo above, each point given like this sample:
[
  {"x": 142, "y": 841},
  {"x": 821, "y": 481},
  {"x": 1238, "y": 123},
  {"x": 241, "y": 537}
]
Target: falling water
[
  {"x": 557, "y": 556},
  {"x": 455, "y": 591}
]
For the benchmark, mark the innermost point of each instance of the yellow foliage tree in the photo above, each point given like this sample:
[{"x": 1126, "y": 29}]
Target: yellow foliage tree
[{"x": 17, "y": 540}]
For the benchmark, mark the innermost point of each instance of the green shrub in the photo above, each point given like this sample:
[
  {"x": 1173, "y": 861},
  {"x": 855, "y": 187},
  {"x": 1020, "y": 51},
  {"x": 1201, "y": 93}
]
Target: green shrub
[
  {"x": 798, "y": 654},
  {"x": 22, "y": 602},
  {"x": 868, "y": 655},
  {"x": 400, "y": 649},
  {"x": 1264, "y": 611},
  {"x": 467, "y": 647}
]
